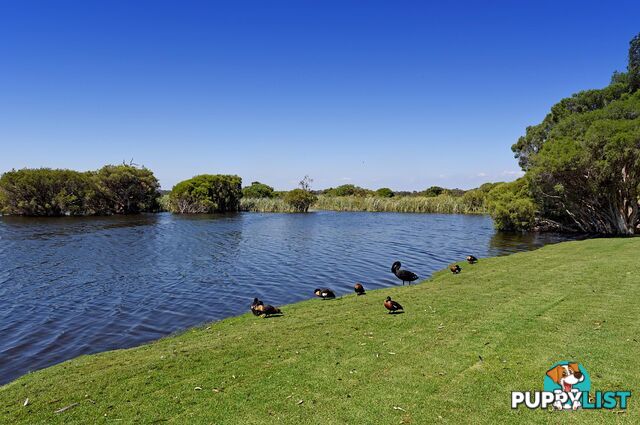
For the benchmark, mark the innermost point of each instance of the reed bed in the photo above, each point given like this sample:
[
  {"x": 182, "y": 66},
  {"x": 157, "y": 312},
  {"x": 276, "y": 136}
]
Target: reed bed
[
  {"x": 265, "y": 205},
  {"x": 443, "y": 204}
]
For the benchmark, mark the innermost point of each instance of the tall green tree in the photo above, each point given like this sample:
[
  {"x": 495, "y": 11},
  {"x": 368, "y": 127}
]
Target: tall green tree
[
  {"x": 634, "y": 63},
  {"x": 587, "y": 174}
]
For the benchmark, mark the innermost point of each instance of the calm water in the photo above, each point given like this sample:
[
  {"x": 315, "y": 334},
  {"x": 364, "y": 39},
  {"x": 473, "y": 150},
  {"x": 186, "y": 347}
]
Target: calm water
[{"x": 71, "y": 286}]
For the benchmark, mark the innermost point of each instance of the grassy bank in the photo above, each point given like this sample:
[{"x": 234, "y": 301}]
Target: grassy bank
[
  {"x": 442, "y": 204},
  {"x": 465, "y": 342}
]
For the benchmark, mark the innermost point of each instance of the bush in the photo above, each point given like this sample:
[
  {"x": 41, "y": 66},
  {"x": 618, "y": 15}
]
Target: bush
[
  {"x": 206, "y": 193},
  {"x": 122, "y": 189},
  {"x": 126, "y": 189},
  {"x": 511, "y": 206},
  {"x": 299, "y": 199},
  {"x": 384, "y": 192},
  {"x": 432, "y": 191},
  {"x": 258, "y": 190},
  {"x": 347, "y": 190}
]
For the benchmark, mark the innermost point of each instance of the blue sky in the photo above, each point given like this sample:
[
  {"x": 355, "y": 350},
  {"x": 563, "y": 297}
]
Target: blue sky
[{"x": 395, "y": 93}]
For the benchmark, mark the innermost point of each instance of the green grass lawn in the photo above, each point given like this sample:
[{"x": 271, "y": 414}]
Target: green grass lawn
[{"x": 465, "y": 342}]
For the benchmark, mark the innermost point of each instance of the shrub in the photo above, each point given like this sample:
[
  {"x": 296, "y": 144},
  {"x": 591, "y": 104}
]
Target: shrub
[
  {"x": 511, "y": 206},
  {"x": 432, "y": 191},
  {"x": 122, "y": 189},
  {"x": 126, "y": 189},
  {"x": 299, "y": 199},
  {"x": 347, "y": 190},
  {"x": 258, "y": 190},
  {"x": 206, "y": 193},
  {"x": 384, "y": 192}
]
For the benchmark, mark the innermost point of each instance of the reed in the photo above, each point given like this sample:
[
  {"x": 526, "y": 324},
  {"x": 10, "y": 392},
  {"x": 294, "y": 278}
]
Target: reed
[
  {"x": 442, "y": 204},
  {"x": 265, "y": 205}
]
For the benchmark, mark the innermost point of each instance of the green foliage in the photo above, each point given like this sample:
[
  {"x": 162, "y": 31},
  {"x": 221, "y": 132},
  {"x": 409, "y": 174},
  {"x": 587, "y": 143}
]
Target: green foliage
[
  {"x": 587, "y": 174},
  {"x": 121, "y": 189},
  {"x": 258, "y": 190},
  {"x": 127, "y": 189},
  {"x": 347, "y": 190},
  {"x": 384, "y": 192},
  {"x": 530, "y": 144},
  {"x": 300, "y": 200},
  {"x": 511, "y": 206},
  {"x": 582, "y": 161},
  {"x": 634, "y": 63},
  {"x": 206, "y": 193},
  {"x": 164, "y": 202},
  {"x": 432, "y": 191}
]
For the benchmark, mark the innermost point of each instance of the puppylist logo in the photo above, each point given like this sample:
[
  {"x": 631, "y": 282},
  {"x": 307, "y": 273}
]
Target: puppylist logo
[{"x": 566, "y": 387}]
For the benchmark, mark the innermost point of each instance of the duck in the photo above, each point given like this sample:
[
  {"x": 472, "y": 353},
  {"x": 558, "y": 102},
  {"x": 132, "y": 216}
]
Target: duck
[
  {"x": 392, "y": 306},
  {"x": 266, "y": 310},
  {"x": 471, "y": 259},
  {"x": 254, "y": 306},
  {"x": 455, "y": 269},
  {"x": 324, "y": 293},
  {"x": 403, "y": 275},
  {"x": 359, "y": 289}
]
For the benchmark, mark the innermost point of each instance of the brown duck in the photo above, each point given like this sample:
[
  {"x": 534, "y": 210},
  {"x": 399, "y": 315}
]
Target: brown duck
[
  {"x": 266, "y": 310},
  {"x": 455, "y": 269},
  {"x": 392, "y": 306},
  {"x": 254, "y": 306},
  {"x": 324, "y": 293},
  {"x": 359, "y": 289}
]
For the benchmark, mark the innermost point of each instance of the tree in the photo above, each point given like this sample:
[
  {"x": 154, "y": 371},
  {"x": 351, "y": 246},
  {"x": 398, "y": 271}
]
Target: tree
[
  {"x": 258, "y": 190},
  {"x": 301, "y": 199},
  {"x": 587, "y": 174},
  {"x": 384, "y": 192},
  {"x": 127, "y": 189},
  {"x": 528, "y": 146},
  {"x": 347, "y": 190},
  {"x": 634, "y": 63},
  {"x": 206, "y": 193},
  {"x": 432, "y": 191}
]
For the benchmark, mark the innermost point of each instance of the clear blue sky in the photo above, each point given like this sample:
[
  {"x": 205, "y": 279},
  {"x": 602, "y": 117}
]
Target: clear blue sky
[{"x": 394, "y": 93}]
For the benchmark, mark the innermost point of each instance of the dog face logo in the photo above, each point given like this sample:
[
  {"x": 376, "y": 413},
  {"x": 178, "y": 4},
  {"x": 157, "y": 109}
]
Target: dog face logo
[{"x": 567, "y": 377}]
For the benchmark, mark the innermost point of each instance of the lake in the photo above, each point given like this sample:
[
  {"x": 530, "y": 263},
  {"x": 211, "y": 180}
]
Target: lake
[{"x": 72, "y": 286}]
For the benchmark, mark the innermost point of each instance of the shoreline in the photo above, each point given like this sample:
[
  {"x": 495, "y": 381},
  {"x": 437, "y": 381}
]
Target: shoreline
[{"x": 449, "y": 318}]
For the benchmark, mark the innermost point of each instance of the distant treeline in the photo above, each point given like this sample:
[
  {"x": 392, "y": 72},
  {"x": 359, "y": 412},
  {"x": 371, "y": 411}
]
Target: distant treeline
[
  {"x": 488, "y": 198},
  {"x": 113, "y": 189},
  {"x": 128, "y": 189}
]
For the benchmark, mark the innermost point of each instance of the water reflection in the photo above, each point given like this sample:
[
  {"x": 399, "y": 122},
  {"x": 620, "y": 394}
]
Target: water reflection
[{"x": 71, "y": 286}]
